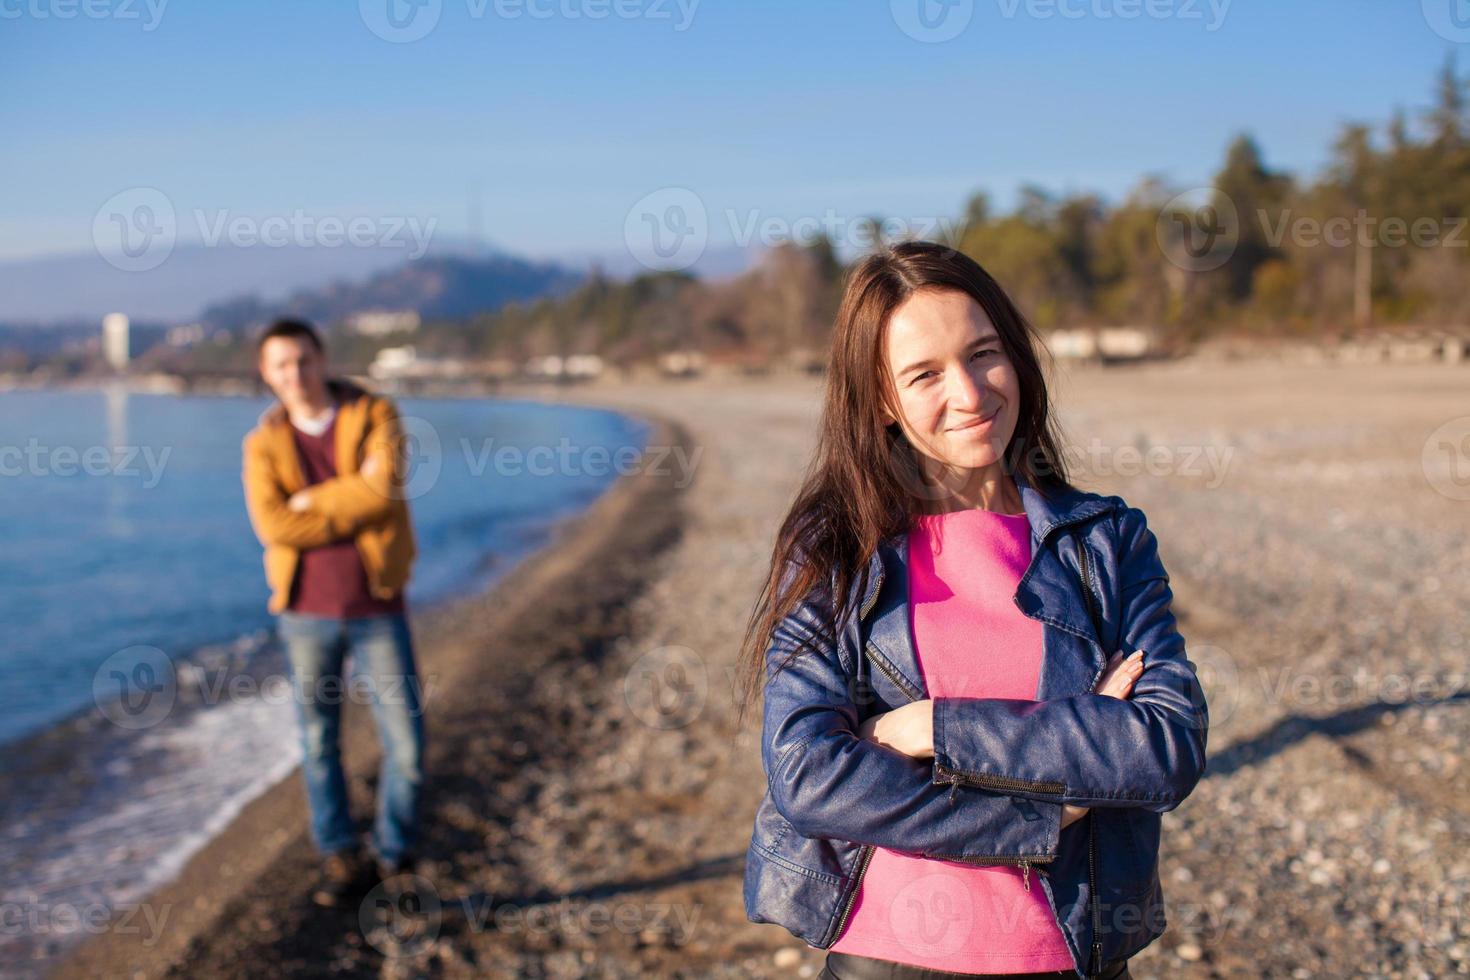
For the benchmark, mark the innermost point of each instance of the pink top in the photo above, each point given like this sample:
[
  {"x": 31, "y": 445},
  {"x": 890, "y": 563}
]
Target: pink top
[{"x": 971, "y": 641}]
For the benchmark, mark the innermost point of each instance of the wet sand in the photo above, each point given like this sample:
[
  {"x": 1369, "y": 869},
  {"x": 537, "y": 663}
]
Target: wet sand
[{"x": 589, "y": 802}]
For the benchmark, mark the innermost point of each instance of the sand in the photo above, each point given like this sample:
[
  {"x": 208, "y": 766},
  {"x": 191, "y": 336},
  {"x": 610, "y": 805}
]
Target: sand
[{"x": 580, "y": 827}]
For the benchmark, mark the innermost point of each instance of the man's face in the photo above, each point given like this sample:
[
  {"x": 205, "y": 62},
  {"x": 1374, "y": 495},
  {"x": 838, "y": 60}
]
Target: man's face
[{"x": 295, "y": 370}]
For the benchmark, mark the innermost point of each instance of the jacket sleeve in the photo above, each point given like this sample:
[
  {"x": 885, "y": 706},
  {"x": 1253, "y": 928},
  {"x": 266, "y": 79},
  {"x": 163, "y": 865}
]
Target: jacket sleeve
[
  {"x": 828, "y": 782},
  {"x": 363, "y": 498},
  {"x": 273, "y": 521},
  {"x": 1147, "y": 750}
]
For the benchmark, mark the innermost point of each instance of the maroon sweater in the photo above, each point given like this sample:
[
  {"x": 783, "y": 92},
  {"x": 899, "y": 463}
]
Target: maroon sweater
[{"x": 331, "y": 580}]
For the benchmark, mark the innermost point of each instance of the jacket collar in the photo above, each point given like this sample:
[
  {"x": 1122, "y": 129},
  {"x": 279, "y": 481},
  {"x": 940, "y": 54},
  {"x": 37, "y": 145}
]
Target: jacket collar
[
  {"x": 1048, "y": 590},
  {"x": 340, "y": 390}
]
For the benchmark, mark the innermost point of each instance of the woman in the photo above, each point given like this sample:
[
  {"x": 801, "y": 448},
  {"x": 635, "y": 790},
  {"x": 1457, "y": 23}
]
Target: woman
[{"x": 966, "y": 771}]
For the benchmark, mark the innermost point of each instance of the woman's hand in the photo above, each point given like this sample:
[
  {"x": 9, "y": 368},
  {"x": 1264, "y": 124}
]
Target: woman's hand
[
  {"x": 1116, "y": 682},
  {"x": 909, "y": 729}
]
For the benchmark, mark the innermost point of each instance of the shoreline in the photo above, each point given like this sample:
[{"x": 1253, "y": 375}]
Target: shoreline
[{"x": 266, "y": 849}]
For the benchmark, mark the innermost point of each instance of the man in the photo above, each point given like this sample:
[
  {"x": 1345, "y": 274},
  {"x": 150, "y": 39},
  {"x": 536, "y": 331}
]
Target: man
[{"x": 323, "y": 474}]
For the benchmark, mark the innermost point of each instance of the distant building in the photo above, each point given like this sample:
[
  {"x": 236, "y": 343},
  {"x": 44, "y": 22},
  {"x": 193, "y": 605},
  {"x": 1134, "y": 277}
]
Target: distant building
[
  {"x": 406, "y": 362},
  {"x": 1107, "y": 343},
  {"x": 378, "y": 323},
  {"x": 393, "y": 362},
  {"x": 186, "y": 335},
  {"x": 115, "y": 340},
  {"x": 1073, "y": 344}
]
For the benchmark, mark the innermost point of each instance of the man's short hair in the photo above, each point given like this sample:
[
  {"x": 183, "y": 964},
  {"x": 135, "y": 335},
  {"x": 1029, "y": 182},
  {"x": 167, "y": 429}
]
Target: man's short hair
[{"x": 288, "y": 327}]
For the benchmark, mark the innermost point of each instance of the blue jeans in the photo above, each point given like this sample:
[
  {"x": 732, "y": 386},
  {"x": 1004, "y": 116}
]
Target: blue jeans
[{"x": 381, "y": 649}]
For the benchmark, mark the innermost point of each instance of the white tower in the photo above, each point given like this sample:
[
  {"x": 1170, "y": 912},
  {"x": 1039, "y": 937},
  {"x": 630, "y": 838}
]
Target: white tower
[{"x": 115, "y": 340}]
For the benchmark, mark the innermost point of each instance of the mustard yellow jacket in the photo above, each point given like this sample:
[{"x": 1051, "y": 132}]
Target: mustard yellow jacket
[{"x": 371, "y": 509}]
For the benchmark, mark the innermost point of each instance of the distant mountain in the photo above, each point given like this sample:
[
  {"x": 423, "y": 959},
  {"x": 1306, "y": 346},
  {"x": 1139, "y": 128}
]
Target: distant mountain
[
  {"x": 84, "y": 286},
  {"x": 436, "y": 288}
]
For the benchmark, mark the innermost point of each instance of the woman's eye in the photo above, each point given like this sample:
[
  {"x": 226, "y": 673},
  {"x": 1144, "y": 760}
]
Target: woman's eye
[
  {"x": 988, "y": 350},
  {"x": 920, "y": 377}
]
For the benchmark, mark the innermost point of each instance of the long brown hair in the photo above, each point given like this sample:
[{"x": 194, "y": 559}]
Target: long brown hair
[{"x": 864, "y": 479}]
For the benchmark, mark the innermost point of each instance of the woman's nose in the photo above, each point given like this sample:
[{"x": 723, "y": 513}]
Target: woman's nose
[{"x": 965, "y": 392}]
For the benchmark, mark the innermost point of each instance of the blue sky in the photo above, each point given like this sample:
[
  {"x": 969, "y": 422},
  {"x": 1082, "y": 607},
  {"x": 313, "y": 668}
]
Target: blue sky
[{"x": 761, "y": 108}]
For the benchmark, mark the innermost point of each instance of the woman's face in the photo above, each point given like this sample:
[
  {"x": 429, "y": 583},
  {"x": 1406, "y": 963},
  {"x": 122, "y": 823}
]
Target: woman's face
[{"x": 957, "y": 389}]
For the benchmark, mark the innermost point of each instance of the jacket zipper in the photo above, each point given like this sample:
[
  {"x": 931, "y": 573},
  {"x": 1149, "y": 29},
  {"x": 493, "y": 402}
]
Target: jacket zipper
[
  {"x": 1086, "y": 566},
  {"x": 1002, "y": 783},
  {"x": 1094, "y": 963},
  {"x": 866, "y": 854},
  {"x": 863, "y": 859},
  {"x": 887, "y": 671}
]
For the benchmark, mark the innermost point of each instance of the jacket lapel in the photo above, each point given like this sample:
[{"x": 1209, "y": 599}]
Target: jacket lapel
[
  {"x": 276, "y": 428},
  {"x": 348, "y": 436}
]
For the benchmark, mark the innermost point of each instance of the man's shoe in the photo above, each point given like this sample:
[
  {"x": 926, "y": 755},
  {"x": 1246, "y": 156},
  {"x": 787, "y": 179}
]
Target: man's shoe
[
  {"x": 344, "y": 879},
  {"x": 404, "y": 864}
]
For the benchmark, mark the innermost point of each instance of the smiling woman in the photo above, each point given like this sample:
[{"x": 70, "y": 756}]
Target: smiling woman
[{"x": 937, "y": 645}]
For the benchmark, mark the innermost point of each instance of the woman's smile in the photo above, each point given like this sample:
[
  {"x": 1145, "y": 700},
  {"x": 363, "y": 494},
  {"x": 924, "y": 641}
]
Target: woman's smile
[{"x": 976, "y": 426}]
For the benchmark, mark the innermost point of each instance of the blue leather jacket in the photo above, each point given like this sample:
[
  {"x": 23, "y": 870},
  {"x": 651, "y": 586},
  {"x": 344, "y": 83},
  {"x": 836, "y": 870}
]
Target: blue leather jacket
[{"x": 1002, "y": 769}]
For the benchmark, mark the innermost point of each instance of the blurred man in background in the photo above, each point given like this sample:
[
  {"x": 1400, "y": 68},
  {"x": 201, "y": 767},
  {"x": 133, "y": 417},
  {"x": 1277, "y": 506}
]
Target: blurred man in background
[{"x": 323, "y": 474}]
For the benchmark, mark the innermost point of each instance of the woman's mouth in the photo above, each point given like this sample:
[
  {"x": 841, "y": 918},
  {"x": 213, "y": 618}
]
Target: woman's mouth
[{"x": 976, "y": 425}]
